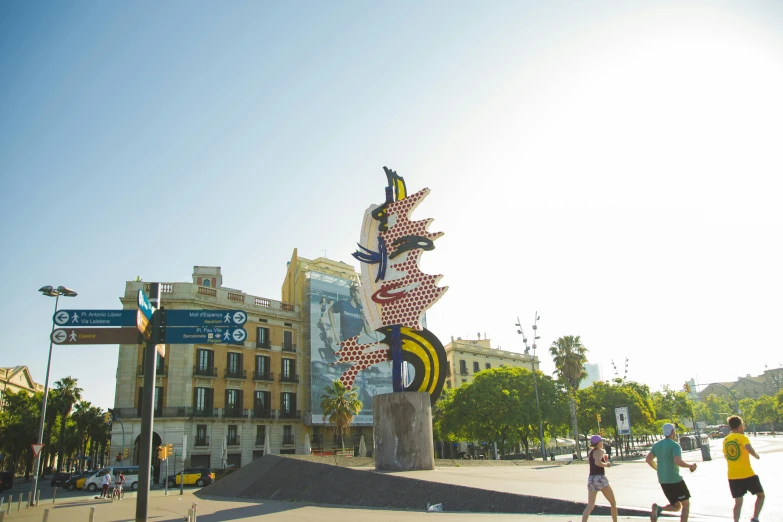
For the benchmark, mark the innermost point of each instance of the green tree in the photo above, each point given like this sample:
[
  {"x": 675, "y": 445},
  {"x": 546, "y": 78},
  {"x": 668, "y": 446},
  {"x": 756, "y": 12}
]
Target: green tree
[
  {"x": 68, "y": 394},
  {"x": 340, "y": 404},
  {"x": 18, "y": 426},
  {"x": 570, "y": 357},
  {"x": 765, "y": 410},
  {"x": 717, "y": 409}
]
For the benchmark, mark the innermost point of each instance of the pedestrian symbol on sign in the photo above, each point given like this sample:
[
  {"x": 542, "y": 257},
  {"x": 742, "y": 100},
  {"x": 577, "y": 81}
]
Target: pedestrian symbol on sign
[{"x": 73, "y": 336}]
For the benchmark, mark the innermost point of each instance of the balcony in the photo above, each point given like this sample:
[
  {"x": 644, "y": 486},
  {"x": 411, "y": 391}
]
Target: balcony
[
  {"x": 316, "y": 439},
  {"x": 160, "y": 371},
  {"x": 288, "y": 440},
  {"x": 201, "y": 442},
  {"x": 233, "y": 440},
  {"x": 463, "y": 371},
  {"x": 261, "y": 413},
  {"x": 209, "y": 413},
  {"x": 260, "y": 440},
  {"x": 265, "y": 346},
  {"x": 233, "y": 373},
  {"x": 127, "y": 413},
  {"x": 293, "y": 414},
  {"x": 205, "y": 371},
  {"x": 289, "y": 378},
  {"x": 234, "y": 413},
  {"x": 264, "y": 376},
  {"x": 289, "y": 347}
]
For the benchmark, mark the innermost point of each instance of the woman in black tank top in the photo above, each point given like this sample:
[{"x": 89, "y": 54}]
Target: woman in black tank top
[{"x": 597, "y": 480}]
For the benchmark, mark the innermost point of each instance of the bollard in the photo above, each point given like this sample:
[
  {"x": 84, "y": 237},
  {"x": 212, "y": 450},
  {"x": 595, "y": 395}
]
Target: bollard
[
  {"x": 2, "y": 499},
  {"x": 92, "y": 514},
  {"x": 54, "y": 497},
  {"x": 2, "y": 516},
  {"x": 46, "y": 515},
  {"x": 19, "y": 504},
  {"x": 195, "y": 511},
  {"x": 8, "y": 506},
  {"x": 190, "y": 515},
  {"x": 37, "y": 497}
]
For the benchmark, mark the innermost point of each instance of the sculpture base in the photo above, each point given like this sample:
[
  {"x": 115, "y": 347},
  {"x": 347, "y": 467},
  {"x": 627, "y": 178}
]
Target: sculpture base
[{"x": 403, "y": 431}]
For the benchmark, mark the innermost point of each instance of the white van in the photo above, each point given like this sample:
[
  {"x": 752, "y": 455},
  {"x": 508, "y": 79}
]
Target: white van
[{"x": 95, "y": 481}]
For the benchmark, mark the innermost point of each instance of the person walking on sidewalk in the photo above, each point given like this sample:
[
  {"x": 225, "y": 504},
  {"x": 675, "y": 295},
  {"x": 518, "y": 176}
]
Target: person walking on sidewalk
[
  {"x": 669, "y": 461},
  {"x": 742, "y": 479},
  {"x": 597, "y": 480}
]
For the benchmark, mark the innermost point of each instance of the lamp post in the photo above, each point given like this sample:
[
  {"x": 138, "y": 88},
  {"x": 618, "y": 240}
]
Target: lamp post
[
  {"x": 535, "y": 383},
  {"x": 49, "y": 291}
]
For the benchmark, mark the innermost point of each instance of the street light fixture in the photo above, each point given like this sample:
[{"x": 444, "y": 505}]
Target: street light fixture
[
  {"x": 535, "y": 383},
  {"x": 48, "y": 291}
]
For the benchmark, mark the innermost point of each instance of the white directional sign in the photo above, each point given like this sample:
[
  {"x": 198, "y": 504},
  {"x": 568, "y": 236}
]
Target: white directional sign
[{"x": 623, "y": 421}]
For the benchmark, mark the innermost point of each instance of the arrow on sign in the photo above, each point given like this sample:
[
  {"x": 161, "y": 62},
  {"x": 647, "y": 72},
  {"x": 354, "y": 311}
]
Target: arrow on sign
[
  {"x": 239, "y": 335},
  {"x": 59, "y": 336},
  {"x": 61, "y": 317},
  {"x": 36, "y": 449}
]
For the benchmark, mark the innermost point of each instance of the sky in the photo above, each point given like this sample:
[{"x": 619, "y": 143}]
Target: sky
[{"x": 613, "y": 166}]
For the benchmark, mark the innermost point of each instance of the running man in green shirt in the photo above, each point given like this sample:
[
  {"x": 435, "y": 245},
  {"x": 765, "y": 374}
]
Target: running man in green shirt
[{"x": 669, "y": 461}]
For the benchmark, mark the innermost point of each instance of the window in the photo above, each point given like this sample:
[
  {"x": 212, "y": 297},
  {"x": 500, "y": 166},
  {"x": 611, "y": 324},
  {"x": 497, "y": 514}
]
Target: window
[
  {"x": 288, "y": 341},
  {"x": 475, "y": 367},
  {"x": 206, "y": 282},
  {"x": 262, "y": 366},
  {"x": 288, "y": 435},
  {"x": 464, "y": 380},
  {"x": 234, "y": 400},
  {"x": 203, "y": 400},
  {"x": 158, "y": 398},
  {"x": 233, "y": 435},
  {"x": 201, "y": 435},
  {"x": 262, "y": 337},
  {"x": 463, "y": 367},
  {"x": 287, "y": 404},
  {"x": 261, "y": 401},
  {"x": 487, "y": 366},
  {"x": 234, "y": 365},
  {"x": 260, "y": 434},
  {"x": 205, "y": 361},
  {"x": 289, "y": 369}
]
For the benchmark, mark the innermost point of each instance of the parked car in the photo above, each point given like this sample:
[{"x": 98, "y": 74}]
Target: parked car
[
  {"x": 76, "y": 481},
  {"x": 58, "y": 479},
  {"x": 193, "y": 477},
  {"x": 131, "y": 474}
]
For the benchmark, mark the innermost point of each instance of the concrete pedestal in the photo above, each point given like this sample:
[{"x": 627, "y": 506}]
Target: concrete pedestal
[{"x": 403, "y": 431}]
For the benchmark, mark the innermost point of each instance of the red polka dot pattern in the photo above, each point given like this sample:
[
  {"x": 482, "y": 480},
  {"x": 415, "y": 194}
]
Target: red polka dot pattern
[{"x": 362, "y": 355}]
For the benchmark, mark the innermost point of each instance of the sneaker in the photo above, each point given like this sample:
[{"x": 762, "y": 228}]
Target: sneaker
[
  {"x": 754, "y": 519},
  {"x": 654, "y": 513}
]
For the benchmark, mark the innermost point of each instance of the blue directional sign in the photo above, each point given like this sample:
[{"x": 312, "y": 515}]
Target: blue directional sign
[
  {"x": 205, "y": 335},
  {"x": 145, "y": 306},
  {"x": 91, "y": 318},
  {"x": 226, "y": 318}
]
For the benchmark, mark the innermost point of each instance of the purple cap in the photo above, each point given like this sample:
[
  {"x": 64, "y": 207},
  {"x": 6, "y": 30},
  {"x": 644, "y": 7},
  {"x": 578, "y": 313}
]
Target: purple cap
[{"x": 595, "y": 439}]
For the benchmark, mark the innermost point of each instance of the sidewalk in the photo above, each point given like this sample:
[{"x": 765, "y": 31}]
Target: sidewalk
[{"x": 174, "y": 508}]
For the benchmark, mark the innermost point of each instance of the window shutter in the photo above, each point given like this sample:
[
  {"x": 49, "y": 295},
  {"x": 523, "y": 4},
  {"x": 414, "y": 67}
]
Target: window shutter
[
  {"x": 195, "y": 398},
  {"x": 239, "y": 399}
]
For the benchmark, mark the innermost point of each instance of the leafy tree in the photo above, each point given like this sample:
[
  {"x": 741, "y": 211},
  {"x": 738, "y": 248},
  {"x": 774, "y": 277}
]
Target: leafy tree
[
  {"x": 340, "y": 404},
  {"x": 18, "y": 426},
  {"x": 603, "y": 397},
  {"x": 765, "y": 410},
  {"x": 717, "y": 408},
  {"x": 68, "y": 394},
  {"x": 672, "y": 406},
  {"x": 570, "y": 357}
]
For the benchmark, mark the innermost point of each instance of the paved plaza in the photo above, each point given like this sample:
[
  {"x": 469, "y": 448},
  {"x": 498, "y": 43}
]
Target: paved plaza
[{"x": 634, "y": 484}]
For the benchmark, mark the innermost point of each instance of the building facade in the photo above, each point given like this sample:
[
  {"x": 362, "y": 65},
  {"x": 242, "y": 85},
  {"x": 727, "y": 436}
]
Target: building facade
[
  {"x": 468, "y": 357},
  {"x": 229, "y": 400},
  {"x": 17, "y": 379},
  {"x": 594, "y": 375}
]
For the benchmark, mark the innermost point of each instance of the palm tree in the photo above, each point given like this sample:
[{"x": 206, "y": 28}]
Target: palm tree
[
  {"x": 570, "y": 358},
  {"x": 69, "y": 393},
  {"x": 340, "y": 404}
]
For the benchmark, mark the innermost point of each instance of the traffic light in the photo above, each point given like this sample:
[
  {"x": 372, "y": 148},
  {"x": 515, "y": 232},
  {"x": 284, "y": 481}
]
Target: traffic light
[
  {"x": 126, "y": 453},
  {"x": 169, "y": 450},
  {"x": 107, "y": 417},
  {"x": 598, "y": 417},
  {"x": 163, "y": 452},
  {"x": 687, "y": 387}
]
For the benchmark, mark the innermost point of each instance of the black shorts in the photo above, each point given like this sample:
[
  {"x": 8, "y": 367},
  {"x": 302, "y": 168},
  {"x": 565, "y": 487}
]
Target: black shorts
[
  {"x": 676, "y": 492},
  {"x": 750, "y": 485}
]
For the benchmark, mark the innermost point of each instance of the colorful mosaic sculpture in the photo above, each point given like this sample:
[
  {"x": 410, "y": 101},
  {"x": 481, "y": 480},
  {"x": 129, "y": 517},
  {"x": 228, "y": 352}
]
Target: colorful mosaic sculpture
[{"x": 395, "y": 294}]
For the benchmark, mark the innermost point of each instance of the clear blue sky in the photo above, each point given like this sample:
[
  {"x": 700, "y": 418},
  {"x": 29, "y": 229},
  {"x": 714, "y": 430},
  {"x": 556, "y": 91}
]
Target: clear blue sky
[{"x": 614, "y": 166}]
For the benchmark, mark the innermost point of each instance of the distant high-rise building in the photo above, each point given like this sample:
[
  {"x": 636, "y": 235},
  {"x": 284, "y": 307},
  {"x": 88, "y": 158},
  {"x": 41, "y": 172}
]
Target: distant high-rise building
[{"x": 593, "y": 375}]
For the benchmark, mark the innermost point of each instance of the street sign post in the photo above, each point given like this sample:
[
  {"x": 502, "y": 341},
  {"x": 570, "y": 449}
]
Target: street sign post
[
  {"x": 83, "y": 318},
  {"x": 96, "y": 336},
  {"x": 213, "y": 318},
  {"x": 205, "y": 335}
]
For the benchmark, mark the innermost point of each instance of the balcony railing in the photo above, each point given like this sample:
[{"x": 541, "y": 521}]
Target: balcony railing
[
  {"x": 205, "y": 371},
  {"x": 264, "y": 376},
  {"x": 288, "y": 439},
  {"x": 234, "y": 413},
  {"x": 201, "y": 442},
  {"x": 289, "y": 378},
  {"x": 293, "y": 414},
  {"x": 233, "y": 441},
  {"x": 289, "y": 347},
  {"x": 181, "y": 291},
  {"x": 159, "y": 371},
  {"x": 170, "y": 411},
  {"x": 261, "y": 413},
  {"x": 260, "y": 440},
  {"x": 265, "y": 346},
  {"x": 463, "y": 371},
  {"x": 235, "y": 374},
  {"x": 204, "y": 412},
  {"x": 317, "y": 439}
]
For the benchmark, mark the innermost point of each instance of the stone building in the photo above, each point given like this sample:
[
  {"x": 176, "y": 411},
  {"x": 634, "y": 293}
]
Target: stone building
[
  {"x": 17, "y": 379},
  {"x": 468, "y": 357}
]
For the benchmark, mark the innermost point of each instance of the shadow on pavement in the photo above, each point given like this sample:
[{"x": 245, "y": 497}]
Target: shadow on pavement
[{"x": 240, "y": 512}]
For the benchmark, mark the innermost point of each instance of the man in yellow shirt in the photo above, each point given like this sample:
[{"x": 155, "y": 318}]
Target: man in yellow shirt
[{"x": 742, "y": 479}]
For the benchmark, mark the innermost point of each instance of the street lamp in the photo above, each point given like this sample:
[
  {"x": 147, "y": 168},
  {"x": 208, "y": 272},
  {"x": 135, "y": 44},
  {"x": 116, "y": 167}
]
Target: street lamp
[
  {"x": 535, "y": 383},
  {"x": 48, "y": 291}
]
